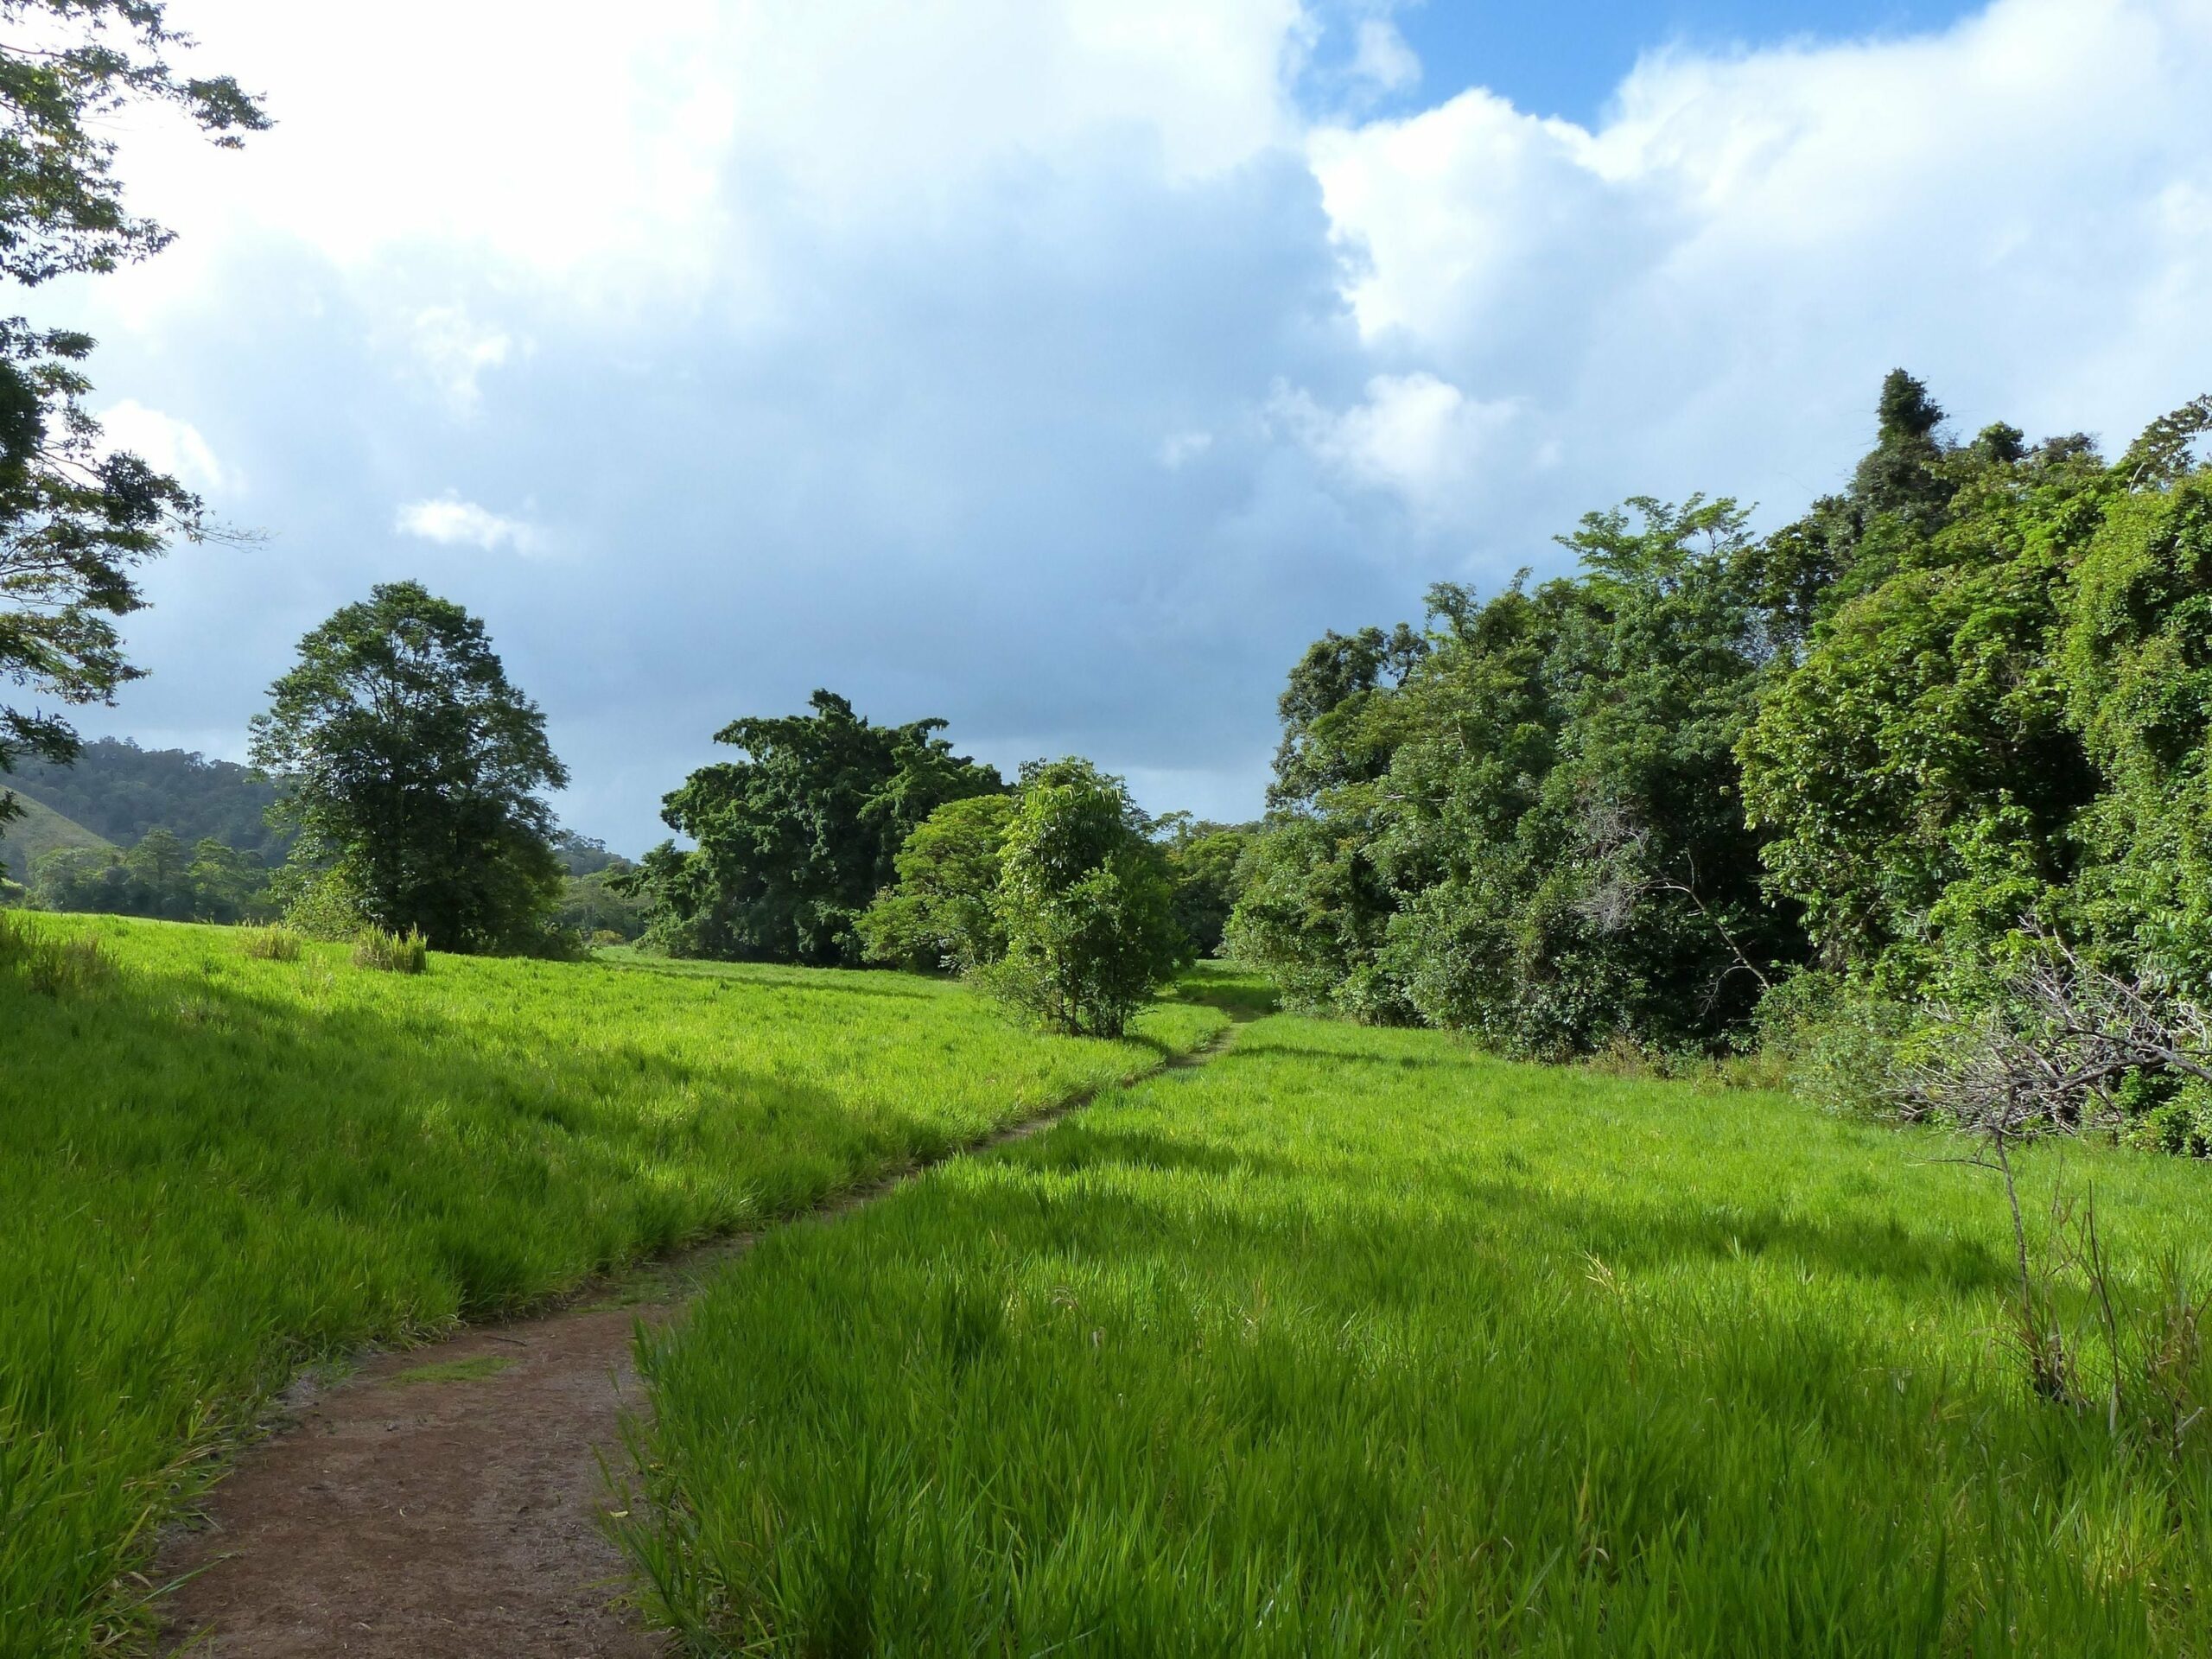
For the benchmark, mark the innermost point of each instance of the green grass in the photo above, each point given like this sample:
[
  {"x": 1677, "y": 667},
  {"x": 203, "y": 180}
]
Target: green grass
[
  {"x": 451, "y": 1370},
  {"x": 216, "y": 1167},
  {"x": 1353, "y": 1343}
]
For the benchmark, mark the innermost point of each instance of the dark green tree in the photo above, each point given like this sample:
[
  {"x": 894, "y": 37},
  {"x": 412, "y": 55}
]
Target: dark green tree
[
  {"x": 414, "y": 772},
  {"x": 795, "y": 841},
  {"x": 75, "y": 522}
]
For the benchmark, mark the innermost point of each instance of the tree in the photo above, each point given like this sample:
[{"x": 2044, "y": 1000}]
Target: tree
[
  {"x": 1086, "y": 904},
  {"x": 413, "y": 772},
  {"x": 796, "y": 840},
  {"x": 1204, "y": 862},
  {"x": 75, "y": 522},
  {"x": 941, "y": 915}
]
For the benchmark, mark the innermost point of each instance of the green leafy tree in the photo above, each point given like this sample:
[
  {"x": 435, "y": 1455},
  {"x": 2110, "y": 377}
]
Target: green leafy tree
[
  {"x": 1203, "y": 863},
  {"x": 1086, "y": 903},
  {"x": 941, "y": 915},
  {"x": 413, "y": 772},
  {"x": 75, "y": 521},
  {"x": 1917, "y": 774},
  {"x": 795, "y": 841},
  {"x": 2136, "y": 662}
]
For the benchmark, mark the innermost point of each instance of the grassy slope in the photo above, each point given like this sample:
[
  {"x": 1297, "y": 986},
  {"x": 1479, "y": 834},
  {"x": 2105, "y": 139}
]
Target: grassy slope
[
  {"x": 41, "y": 829},
  {"x": 212, "y": 1168},
  {"x": 1353, "y": 1343}
]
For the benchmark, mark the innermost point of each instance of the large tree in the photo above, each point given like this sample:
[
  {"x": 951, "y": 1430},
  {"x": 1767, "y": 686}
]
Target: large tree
[
  {"x": 414, "y": 771},
  {"x": 76, "y": 520},
  {"x": 796, "y": 840}
]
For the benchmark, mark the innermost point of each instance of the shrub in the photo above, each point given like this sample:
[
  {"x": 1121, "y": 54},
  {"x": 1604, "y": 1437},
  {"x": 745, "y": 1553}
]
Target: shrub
[
  {"x": 391, "y": 953},
  {"x": 52, "y": 966},
  {"x": 275, "y": 943},
  {"x": 1086, "y": 904},
  {"x": 319, "y": 904}
]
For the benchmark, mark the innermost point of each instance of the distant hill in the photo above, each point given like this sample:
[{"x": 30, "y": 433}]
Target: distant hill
[
  {"x": 119, "y": 791},
  {"x": 41, "y": 829}
]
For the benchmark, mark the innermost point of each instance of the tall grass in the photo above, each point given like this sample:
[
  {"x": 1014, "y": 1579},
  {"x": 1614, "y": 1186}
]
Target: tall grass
[
  {"x": 216, "y": 1166},
  {"x": 1353, "y": 1343},
  {"x": 49, "y": 960}
]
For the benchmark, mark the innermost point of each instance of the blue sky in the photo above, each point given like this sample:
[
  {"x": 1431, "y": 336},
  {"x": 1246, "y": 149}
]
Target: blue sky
[
  {"x": 1062, "y": 367},
  {"x": 1566, "y": 57}
]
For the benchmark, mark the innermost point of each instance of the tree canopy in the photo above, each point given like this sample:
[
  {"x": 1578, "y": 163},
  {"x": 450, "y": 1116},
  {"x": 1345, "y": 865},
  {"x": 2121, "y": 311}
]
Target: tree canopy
[
  {"x": 1959, "y": 704},
  {"x": 795, "y": 839},
  {"x": 413, "y": 772}
]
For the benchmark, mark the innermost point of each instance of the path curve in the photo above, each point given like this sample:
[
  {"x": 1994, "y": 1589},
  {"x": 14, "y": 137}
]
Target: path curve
[{"x": 445, "y": 1502}]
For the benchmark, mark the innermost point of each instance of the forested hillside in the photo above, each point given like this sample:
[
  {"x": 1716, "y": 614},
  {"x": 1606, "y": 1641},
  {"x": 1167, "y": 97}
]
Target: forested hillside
[{"x": 119, "y": 792}]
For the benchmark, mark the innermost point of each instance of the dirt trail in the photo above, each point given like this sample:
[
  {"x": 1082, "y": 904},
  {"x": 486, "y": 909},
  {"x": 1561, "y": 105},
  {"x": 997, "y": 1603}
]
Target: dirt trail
[{"x": 444, "y": 1502}]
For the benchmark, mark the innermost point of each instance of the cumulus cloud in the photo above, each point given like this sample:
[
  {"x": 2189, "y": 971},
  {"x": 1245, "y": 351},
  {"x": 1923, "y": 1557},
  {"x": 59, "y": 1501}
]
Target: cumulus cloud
[
  {"x": 451, "y": 522},
  {"x": 1042, "y": 364},
  {"x": 1413, "y": 434}
]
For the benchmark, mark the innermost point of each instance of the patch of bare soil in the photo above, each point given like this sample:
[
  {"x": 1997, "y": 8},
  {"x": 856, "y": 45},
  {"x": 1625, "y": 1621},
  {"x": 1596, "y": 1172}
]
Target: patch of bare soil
[{"x": 443, "y": 1503}]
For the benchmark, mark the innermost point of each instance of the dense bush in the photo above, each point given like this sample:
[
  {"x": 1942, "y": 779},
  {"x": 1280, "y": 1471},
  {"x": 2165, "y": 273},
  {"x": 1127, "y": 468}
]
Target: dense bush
[
  {"x": 1085, "y": 903},
  {"x": 1958, "y": 707}
]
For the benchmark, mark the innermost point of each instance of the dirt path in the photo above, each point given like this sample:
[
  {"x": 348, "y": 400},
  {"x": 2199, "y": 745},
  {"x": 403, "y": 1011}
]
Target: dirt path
[{"x": 445, "y": 1501}]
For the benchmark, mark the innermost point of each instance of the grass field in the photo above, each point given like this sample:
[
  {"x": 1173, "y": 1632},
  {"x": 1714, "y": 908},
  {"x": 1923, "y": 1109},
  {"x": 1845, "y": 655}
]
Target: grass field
[
  {"x": 214, "y": 1169},
  {"x": 1352, "y": 1342}
]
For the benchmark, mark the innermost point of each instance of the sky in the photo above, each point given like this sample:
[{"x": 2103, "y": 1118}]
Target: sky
[{"x": 1062, "y": 367}]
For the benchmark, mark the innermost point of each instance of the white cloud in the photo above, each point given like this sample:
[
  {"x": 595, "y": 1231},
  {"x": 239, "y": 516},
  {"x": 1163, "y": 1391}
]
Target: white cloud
[
  {"x": 2007, "y": 207},
  {"x": 451, "y": 352},
  {"x": 1413, "y": 434},
  {"x": 452, "y": 522},
  {"x": 167, "y": 444},
  {"x": 1052, "y": 339},
  {"x": 1382, "y": 59}
]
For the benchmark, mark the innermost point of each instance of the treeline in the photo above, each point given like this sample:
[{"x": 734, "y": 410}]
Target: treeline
[
  {"x": 1842, "y": 781},
  {"x": 834, "y": 842}
]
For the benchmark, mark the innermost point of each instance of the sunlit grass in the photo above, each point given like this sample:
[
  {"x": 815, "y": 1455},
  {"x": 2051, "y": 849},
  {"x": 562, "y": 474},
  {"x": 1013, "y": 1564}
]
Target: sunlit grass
[
  {"x": 1355, "y": 1342},
  {"x": 218, "y": 1164}
]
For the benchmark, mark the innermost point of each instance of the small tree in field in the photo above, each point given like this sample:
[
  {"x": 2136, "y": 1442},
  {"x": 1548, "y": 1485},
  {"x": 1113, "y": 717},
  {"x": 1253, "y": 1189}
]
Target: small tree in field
[
  {"x": 413, "y": 772},
  {"x": 1085, "y": 902}
]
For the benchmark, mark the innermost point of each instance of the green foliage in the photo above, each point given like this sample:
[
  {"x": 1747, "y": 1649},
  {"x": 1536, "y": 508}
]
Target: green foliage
[
  {"x": 120, "y": 792},
  {"x": 1961, "y": 704},
  {"x": 796, "y": 840},
  {"x": 1534, "y": 832},
  {"x": 160, "y": 877},
  {"x": 941, "y": 915},
  {"x": 76, "y": 519},
  {"x": 323, "y": 905},
  {"x": 2136, "y": 665},
  {"x": 1917, "y": 768},
  {"x": 218, "y": 1169},
  {"x": 1204, "y": 863},
  {"x": 391, "y": 953},
  {"x": 1353, "y": 1342},
  {"x": 413, "y": 770},
  {"x": 1085, "y": 902}
]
